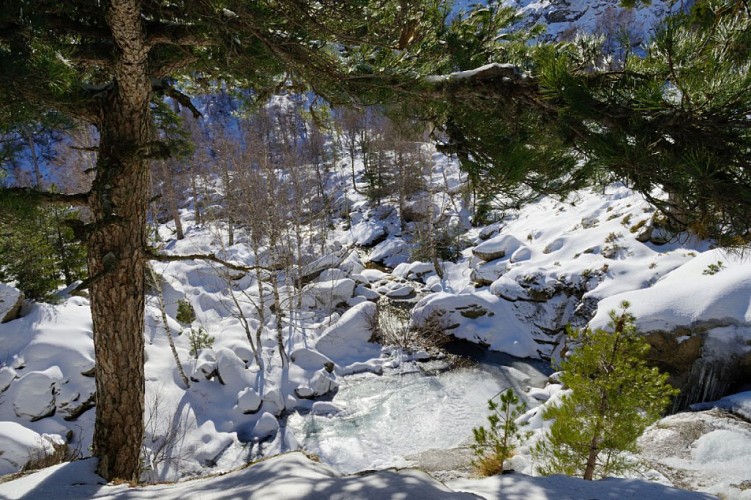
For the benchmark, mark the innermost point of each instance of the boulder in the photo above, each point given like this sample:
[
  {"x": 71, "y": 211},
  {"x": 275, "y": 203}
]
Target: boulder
[
  {"x": 497, "y": 247},
  {"x": 329, "y": 294},
  {"x": 266, "y": 427},
  {"x": 35, "y": 393},
  {"x": 322, "y": 382},
  {"x": 348, "y": 340},
  {"x": 11, "y": 301},
  {"x": 273, "y": 403},
  {"x": 308, "y": 359},
  {"x": 248, "y": 401},
  {"x": 20, "y": 444},
  {"x": 368, "y": 233},
  {"x": 7, "y": 375},
  {"x": 390, "y": 253}
]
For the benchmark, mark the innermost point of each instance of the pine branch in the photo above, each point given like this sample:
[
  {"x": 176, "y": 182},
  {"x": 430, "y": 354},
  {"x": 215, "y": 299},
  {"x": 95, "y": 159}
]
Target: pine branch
[{"x": 28, "y": 195}]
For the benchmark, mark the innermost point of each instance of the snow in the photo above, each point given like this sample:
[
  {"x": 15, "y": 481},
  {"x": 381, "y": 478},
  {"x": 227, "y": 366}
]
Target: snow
[
  {"x": 19, "y": 444},
  {"x": 293, "y": 476},
  {"x": 690, "y": 294},
  {"x": 739, "y": 403}
]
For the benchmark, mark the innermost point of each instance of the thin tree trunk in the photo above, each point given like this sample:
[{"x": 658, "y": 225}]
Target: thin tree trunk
[
  {"x": 159, "y": 284},
  {"x": 172, "y": 200}
]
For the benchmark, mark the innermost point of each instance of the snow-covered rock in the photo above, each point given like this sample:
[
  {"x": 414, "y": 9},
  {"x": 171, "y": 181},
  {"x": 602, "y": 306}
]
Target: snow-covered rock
[
  {"x": 309, "y": 359},
  {"x": 390, "y": 253},
  {"x": 248, "y": 401},
  {"x": 266, "y": 427},
  {"x": 366, "y": 292},
  {"x": 348, "y": 340},
  {"x": 329, "y": 294},
  {"x": 695, "y": 292},
  {"x": 322, "y": 382},
  {"x": 401, "y": 292},
  {"x": 273, "y": 402},
  {"x": 231, "y": 369},
  {"x": 11, "y": 300},
  {"x": 368, "y": 233},
  {"x": 708, "y": 451},
  {"x": 479, "y": 317},
  {"x": 35, "y": 393},
  {"x": 497, "y": 247},
  {"x": 19, "y": 445},
  {"x": 7, "y": 375}
]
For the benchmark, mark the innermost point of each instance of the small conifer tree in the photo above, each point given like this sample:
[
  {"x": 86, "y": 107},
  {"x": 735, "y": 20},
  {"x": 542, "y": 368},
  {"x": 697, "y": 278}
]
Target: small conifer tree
[
  {"x": 614, "y": 397},
  {"x": 496, "y": 443}
]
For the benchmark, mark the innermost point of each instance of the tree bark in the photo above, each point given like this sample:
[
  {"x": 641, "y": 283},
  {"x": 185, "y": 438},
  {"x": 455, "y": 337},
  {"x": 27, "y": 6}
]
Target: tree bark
[{"x": 116, "y": 243}]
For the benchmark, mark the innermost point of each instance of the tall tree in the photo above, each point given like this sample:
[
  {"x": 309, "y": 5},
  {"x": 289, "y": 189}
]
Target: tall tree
[{"x": 107, "y": 63}]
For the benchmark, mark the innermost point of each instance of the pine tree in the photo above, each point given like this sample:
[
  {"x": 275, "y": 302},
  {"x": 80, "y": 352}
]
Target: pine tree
[
  {"x": 614, "y": 397},
  {"x": 496, "y": 443},
  {"x": 111, "y": 65}
]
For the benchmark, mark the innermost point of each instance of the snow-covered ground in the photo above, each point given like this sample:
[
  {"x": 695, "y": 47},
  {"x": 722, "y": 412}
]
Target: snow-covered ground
[{"x": 293, "y": 476}]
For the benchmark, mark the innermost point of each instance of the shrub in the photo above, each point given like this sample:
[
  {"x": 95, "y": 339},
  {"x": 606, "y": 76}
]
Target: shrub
[
  {"x": 185, "y": 312},
  {"x": 614, "y": 397},
  {"x": 496, "y": 443},
  {"x": 199, "y": 339}
]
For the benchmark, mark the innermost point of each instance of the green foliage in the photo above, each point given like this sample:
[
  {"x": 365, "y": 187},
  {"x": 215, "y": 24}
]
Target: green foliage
[
  {"x": 676, "y": 118},
  {"x": 185, "y": 312},
  {"x": 496, "y": 443},
  {"x": 199, "y": 339},
  {"x": 38, "y": 250},
  {"x": 614, "y": 397},
  {"x": 713, "y": 269}
]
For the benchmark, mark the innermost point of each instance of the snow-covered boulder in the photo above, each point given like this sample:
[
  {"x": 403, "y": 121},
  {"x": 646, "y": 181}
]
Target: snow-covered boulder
[
  {"x": 497, "y": 247},
  {"x": 479, "y": 317},
  {"x": 266, "y": 427},
  {"x": 19, "y": 445},
  {"x": 311, "y": 271},
  {"x": 308, "y": 359},
  {"x": 273, "y": 402},
  {"x": 11, "y": 300},
  {"x": 322, "y": 382},
  {"x": 367, "y": 293},
  {"x": 390, "y": 253},
  {"x": 368, "y": 233},
  {"x": 329, "y": 294},
  {"x": 205, "y": 366},
  {"x": 712, "y": 286},
  {"x": 486, "y": 273},
  {"x": 348, "y": 340},
  {"x": 7, "y": 375},
  {"x": 401, "y": 292},
  {"x": 232, "y": 370},
  {"x": 35, "y": 393},
  {"x": 248, "y": 401}
]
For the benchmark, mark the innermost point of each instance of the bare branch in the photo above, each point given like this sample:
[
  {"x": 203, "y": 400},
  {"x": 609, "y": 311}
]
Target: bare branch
[{"x": 153, "y": 254}]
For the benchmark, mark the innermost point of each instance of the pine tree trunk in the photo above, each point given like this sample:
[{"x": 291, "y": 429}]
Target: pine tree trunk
[{"x": 116, "y": 258}]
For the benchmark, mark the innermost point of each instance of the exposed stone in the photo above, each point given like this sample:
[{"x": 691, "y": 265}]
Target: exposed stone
[
  {"x": 11, "y": 301},
  {"x": 497, "y": 247}
]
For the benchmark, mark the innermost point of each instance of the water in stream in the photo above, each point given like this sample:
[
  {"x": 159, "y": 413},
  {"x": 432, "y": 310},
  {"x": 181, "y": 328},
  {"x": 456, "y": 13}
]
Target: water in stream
[{"x": 386, "y": 418}]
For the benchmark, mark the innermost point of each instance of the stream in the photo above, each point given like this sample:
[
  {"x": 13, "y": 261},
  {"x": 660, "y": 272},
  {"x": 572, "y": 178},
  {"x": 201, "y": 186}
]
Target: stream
[{"x": 404, "y": 412}]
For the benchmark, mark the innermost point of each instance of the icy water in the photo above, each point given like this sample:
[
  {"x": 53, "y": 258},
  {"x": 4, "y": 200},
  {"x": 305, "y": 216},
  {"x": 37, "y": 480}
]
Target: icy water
[{"x": 388, "y": 417}]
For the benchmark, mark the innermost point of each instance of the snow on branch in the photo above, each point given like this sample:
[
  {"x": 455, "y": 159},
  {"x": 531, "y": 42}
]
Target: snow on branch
[{"x": 507, "y": 72}]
